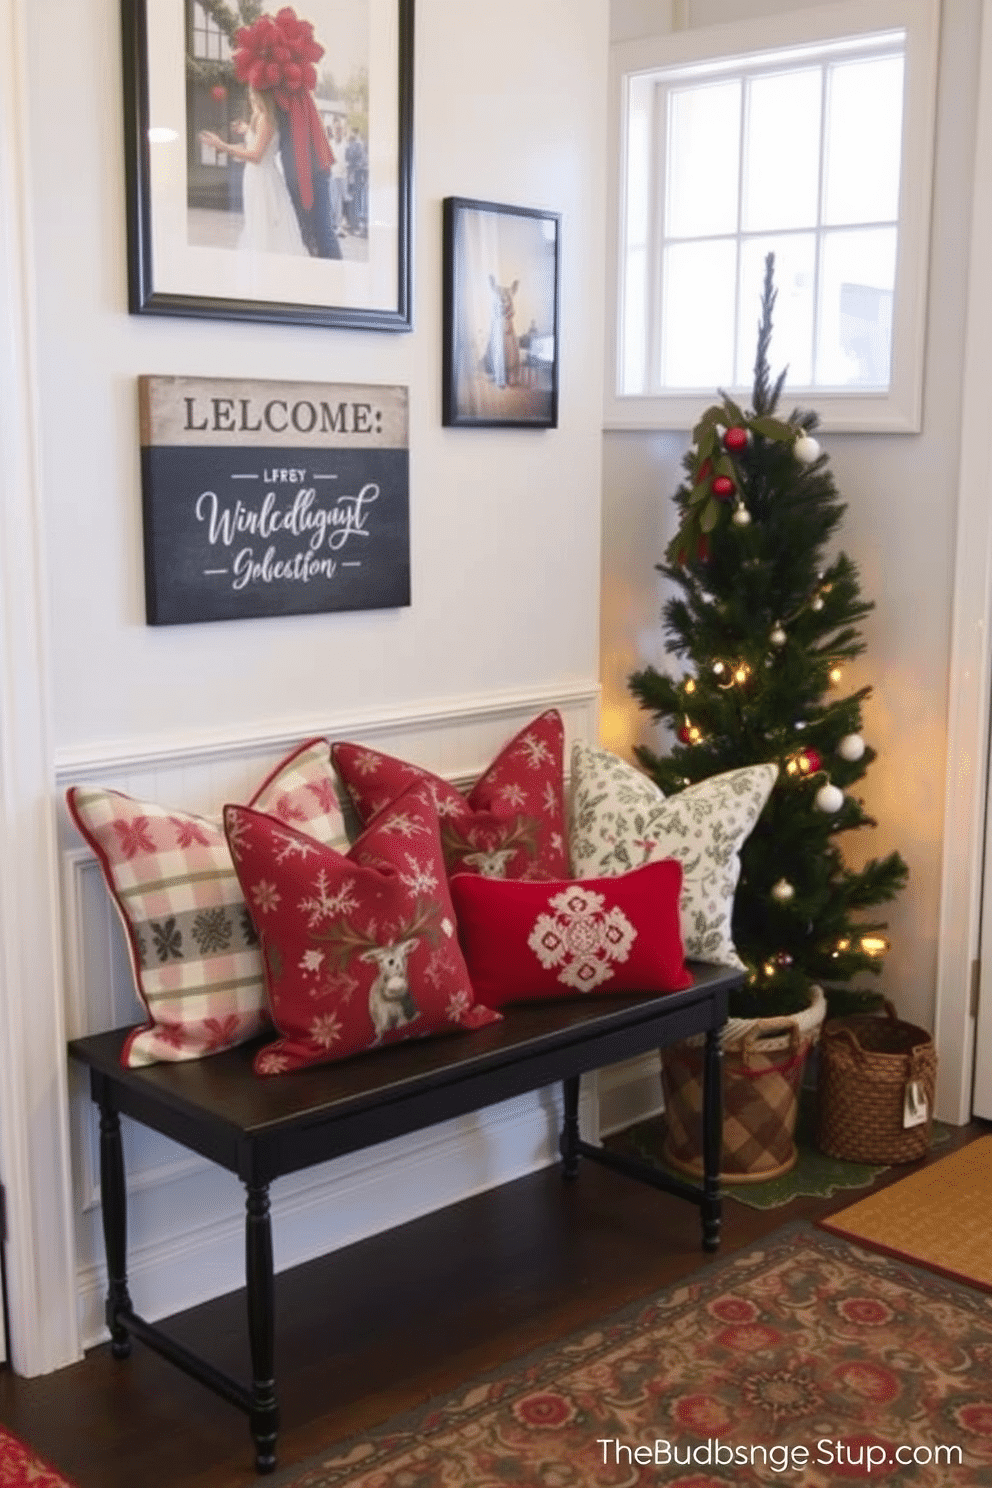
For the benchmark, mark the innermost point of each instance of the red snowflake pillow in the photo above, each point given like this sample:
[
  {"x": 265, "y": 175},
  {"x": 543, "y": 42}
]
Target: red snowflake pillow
[
  {"x": 511, "y": 825},
  {"x": 527, "y": 941},
  {"x": 360, "y": 949}
]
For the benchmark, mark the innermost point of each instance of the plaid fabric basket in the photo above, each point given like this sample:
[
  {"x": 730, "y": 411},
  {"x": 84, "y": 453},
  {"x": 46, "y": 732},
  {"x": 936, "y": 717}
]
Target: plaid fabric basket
[
  {"x": 763, "y": 1064},
  {"x": 869, "y": 1067}
]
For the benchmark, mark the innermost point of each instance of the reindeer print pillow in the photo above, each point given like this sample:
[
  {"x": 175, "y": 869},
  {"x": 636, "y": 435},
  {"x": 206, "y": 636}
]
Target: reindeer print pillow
[
  {"x": 512, "y": 823},
  {"x": 620, "y": 819},
  {"x": 360, "y": 949},
  {"x": 569, "y": 938}
]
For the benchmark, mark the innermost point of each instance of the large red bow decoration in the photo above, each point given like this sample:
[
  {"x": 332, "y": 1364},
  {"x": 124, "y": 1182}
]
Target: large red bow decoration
[{"x": 276, "y": 55}]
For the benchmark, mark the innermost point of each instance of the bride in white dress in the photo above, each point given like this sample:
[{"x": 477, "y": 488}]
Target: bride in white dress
[{"x": 270, "y": 224}]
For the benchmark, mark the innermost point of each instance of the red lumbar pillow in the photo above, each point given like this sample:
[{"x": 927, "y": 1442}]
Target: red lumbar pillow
[
  {"x": 512, "y": 823},
  {"x": 360, "y": 949},
  {"x": 526, "y": 941}
]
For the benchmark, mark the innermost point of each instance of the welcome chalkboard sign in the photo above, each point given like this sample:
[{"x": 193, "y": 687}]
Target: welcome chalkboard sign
[{"x": 272, "y": 498}]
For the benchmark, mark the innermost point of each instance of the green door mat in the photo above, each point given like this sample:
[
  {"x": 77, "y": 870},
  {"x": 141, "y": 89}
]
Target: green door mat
[{"x": 814, "y": 1176}]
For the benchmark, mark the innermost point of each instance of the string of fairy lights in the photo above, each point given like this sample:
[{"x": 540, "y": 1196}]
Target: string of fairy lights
[
  {"x": 804, "y": 763},
  {"x": 723, "y": 433}
]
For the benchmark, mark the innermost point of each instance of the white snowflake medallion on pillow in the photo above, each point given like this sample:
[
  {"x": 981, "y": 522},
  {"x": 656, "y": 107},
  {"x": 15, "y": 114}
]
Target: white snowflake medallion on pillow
[{"x": 582, "y": 937}]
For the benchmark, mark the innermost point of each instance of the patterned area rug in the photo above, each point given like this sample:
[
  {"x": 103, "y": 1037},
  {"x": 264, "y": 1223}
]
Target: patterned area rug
[
  {"x": 939, "y": 1216},
  {"x": 802, "y": 1359},
  {"x": 20, "y": 1468},
  {"x": 814, "y": 1176}
]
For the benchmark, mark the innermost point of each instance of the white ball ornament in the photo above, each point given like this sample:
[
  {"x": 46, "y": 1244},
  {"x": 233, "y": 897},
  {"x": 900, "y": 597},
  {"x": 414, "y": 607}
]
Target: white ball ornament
[
  {"x": 782, "y": 891},
  {"x": 829, "y": 798},
  {"x": 741, "y": 516},
  {"x": 816, "y": 603},
  {"x": 806, "y": 449},
  {"x": 778, "y": 636},
  {"x": 851, "y": 747}
]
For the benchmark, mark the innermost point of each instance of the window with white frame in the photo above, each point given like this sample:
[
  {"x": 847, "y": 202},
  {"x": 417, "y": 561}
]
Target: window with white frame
[
  {"x": 209, "y": 41},
  {"x": 808, "y": 136}
]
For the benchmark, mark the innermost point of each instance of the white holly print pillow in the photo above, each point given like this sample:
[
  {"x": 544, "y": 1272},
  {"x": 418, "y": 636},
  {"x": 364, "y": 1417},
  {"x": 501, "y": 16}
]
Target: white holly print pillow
[
  {"x": 360, "y": 948},
  {"x": 194, "y": 953},
  {"x": 532, "y": 941},
  {"x": 511, "y": 824},
  {"x": 619, "y": 819}
]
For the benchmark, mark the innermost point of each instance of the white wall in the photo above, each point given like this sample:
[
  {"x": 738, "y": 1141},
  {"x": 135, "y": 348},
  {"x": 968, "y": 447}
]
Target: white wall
[
  {"x": 509, "y": 107},
  {"x": 505, "y": 532},
  {"x": 900, "y": 528}
]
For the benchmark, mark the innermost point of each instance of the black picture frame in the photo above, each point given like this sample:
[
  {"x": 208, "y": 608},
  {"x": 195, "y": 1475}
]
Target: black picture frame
[
  {"x": 501, "y": 269},
  {"x": 170, "y": 202}
]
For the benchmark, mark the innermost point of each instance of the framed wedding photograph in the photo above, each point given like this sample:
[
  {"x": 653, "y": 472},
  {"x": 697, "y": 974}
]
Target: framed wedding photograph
[
  {"x": 269, "y": 160},
  {"x": 500, "y": 348}
]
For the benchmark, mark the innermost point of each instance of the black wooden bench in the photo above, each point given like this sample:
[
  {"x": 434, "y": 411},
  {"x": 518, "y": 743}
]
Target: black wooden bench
[{"x": 263, "y": 1128}]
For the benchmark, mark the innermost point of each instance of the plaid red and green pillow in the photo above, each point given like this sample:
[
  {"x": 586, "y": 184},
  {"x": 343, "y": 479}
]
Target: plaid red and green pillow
[{"x": 194, "y": 952}]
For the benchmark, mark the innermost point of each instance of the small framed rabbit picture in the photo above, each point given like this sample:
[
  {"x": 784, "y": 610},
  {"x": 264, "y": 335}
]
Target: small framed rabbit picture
[{"x": 500, "y": 352}]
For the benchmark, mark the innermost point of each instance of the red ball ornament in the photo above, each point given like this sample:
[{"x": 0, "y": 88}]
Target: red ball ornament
[
  {"x": 684, "y": 736},
  {"x": 809, "y": 761},
  {"x": 219, "y": 92},
  {"x": 723, "y": 487},
  {"x": 735, "y": 438}
]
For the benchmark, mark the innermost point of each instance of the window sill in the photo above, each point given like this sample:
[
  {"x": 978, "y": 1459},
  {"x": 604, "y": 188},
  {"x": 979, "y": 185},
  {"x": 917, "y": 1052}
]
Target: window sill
[{"x": 838, "y": 413}]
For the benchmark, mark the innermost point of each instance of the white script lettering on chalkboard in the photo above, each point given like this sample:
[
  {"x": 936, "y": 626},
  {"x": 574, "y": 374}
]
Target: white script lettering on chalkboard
[
  {"x": 299, "y": 569},
  {"x": 331, "y": 525}
]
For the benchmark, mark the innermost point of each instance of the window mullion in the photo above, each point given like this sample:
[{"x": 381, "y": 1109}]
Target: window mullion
[
  {"x": 739, "y": 257},
  {"x": 818, "y": 238},
  {"x": 655, "y": 248}
]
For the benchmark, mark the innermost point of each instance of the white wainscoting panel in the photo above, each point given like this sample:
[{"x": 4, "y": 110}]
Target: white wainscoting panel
[
  {"x": 185, "y": 1217},
  {"x": 629, "y": 1092}
]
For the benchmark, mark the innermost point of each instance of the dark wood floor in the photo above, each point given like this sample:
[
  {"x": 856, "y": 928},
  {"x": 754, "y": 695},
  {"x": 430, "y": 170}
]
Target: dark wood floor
[{"x": 377, "y": 1328}]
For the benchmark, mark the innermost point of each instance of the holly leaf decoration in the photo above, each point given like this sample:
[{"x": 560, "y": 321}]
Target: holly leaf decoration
[
  {"x": 707, "y": 425},
  {"x": 708, "y": 459},
  {"x": 706, "y": 444},
  {"x": 772, "y": 428},
  {"x": 710, "y": 515}
]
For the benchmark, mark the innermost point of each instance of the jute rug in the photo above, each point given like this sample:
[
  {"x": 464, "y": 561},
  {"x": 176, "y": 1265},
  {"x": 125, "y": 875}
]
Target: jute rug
[
  {"x": 940, "y": 1216},
  {"x": 21, "y": 1468},
  {"x": 803, "y": 1360}
]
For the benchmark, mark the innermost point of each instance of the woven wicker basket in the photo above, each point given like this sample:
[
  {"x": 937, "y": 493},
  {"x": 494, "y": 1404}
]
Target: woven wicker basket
[{"x": 866, "y": 1064}]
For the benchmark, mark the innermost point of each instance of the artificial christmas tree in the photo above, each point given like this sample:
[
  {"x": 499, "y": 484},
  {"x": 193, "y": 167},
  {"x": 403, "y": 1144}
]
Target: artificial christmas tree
[{"x": 766, "y": 623}]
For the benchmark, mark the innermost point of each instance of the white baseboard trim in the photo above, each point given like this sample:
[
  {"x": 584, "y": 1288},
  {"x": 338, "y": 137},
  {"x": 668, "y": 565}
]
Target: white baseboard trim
[{"x": 629, "y": 1092}]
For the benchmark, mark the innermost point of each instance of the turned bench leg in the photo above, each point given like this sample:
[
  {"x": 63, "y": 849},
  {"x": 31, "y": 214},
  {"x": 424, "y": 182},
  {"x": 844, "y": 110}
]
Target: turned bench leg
[
  {"x": 568, "y": 1143},
  {"x": 711, "y": 1207},
  {"x": 264, "y": 1413},
  {"x": 113, "y": 1197}
]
